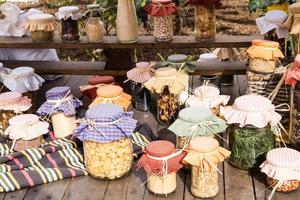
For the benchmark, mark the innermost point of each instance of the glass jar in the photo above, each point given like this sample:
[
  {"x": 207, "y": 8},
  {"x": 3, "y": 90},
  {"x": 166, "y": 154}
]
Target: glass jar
[
  {"x": 249, "y": 145},
  {"x": 161, "y": 185},
  {"x": 94, "y": 29},
  {"x": 5, "y": 115},
  {"x": 168, "y": 107},
  {"x": 259, "y": 65},
  {"x": 287, "y": 186},
  {"x": 69, "y": 31},
  {"x": 108, "y": 160},
  {"x": 163, "y": 28},
  {"x": 204, "y": 183},
  {"x": 141, "y": 97},
  {"x": 205, "y": 22},
  {"x": 22, "y": 145}
]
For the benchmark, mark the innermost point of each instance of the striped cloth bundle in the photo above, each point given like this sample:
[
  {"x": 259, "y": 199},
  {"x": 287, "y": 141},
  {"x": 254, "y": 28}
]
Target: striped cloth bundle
[{"x": 55, "y": 160}]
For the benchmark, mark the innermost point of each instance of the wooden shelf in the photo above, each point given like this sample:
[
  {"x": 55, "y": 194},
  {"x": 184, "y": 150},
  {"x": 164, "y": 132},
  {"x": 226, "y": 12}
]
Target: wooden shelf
[{"x": 145, "y": 42}]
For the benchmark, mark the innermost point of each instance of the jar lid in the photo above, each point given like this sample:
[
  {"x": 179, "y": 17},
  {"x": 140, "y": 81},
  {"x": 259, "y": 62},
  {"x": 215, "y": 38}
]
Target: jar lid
[
  {"x": 160, "y": 8},
  {"x": 10, "y": 98},
  {"x": 276, "y": 16},
  {"x": 142, "y": 72},
  {"x": 165, "y": 72},
  {"x": 178, "y": 58},
  {"x": 67, "y": 12},
  {"x": 93, "y": 6},
  {"x": 207, "y": 92},
  {"x": 195, "y": 115},
  {"x": 23, "y": 71},
  {"x": 208, "y": 57},
  {"x": 26, "y": 119},
  {"x": 68, "y": 9},
  {"x": 58, "y": 93},
  {"x": 265, "y": 49},
  {"x": 265, "y": 43},
  {"x": 294, "y": 8},
  {"x": 40, "y": 18},
  {"x": 14, "y": 101},
  {"x": 109, "y": 91},
  {"x": 95, "y": 80},
  {"x": 105, "y": 113},
  {"x": 160, "y": 148},
  {"x": 41, "y": 22},
  {"x": 204, "y": 144},
  {"x": 293, "y": 73}
]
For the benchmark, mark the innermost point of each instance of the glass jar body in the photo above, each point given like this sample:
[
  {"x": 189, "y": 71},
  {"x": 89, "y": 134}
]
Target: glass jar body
[
  {"x": 5, "y": 115},
  {"x": 22, "y": 145},
  {"x": 163, "y": 28},
  {"x": 141, "y": 96},
  {"x": 259, "y": 65},
  {"x": 205, "y": 22},
  {"x": 41, "y": 36},
  {"x": 94, "y": 30},
  {"x": 287, "y": 186},
  {"x": 63, "y": 125},
  {"x": 249, "y": 145},
  {"x": 161, "y": 185},
  {"x": 204, "y": 183},
  {"x": 69, "y": 30},
  {"x": 107, "y": 161}
]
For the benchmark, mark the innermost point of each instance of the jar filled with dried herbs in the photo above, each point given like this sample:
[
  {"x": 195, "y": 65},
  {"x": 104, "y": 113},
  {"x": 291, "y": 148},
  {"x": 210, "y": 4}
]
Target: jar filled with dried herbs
[
  {"x": 161, "y": 11},
  {"x": 254, "y": 124},
  {"x": 94, "y": 27}
]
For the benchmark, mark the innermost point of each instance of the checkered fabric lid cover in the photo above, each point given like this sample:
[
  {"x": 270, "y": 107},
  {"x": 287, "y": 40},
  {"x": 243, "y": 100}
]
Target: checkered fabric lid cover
[
  {"x": 68, "y": 105},
  {"x": 14, "y": 101},
  {"x": 106, "y": 123},
  {"x": 282, "y": 164}
]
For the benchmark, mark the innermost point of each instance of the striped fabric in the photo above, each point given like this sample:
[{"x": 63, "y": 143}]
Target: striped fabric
[{"x": 54, "y": 161}]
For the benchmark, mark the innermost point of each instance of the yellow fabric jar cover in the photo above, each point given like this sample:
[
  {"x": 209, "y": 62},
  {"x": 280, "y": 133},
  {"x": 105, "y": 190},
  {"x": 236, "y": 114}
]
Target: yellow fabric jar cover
[
  {"x": 206, "y": 153},
  {"x": 177, "y": 81},
  {"x": 293, "y": 21},
  {"x": 41, "y": 22},
  {"x": 112, "y": 94},
  {"x": 265, "y": 49}
]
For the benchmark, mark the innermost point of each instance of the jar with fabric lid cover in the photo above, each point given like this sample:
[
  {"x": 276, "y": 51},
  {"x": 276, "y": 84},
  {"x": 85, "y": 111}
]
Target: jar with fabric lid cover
[
  {"x": 204, "y": 154},
  {"x": 161, "y": 161},
  {"x": 206, "y": 59},
  {"x": 264, "y": 56},
  {"x": 195, "y": 122},
  {"x": 254, "y": 124},
  {"x": 69, "y": 16},
  {"x": 12, "y": 104},
  {"x": 61, "y": 107},
  {"x": 112, "y": 94},
  {"x": 26, "y": 131},
  {"x": 282, "y": 169},
  {"x": 208, "y": 96},
  {"x": 167, "y": 84},
  {"x": 41, "y": 27},
  {"x": 105, "y": 132},
  {"x": 94, "y": 27},
  {"x": 3, "y": 72},
  {"x": 141, "y": 96},
  {"x": 161, "y": 11}
]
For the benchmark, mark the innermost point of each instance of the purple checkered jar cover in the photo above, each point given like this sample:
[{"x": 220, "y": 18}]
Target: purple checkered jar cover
[
  {"x": 59, "y": 99},
  {"x": 105, "y": 123}
]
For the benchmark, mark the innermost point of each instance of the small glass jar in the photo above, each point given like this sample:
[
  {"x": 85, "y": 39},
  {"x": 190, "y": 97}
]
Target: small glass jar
[
  {"x": 168, "y": 107},
  {"x": 94, "y": 27},
  {"x": 21, "y": 144},
  {"x": 205, "y": 22},
  {"x": 163, "y": 28},
  {"x": 108, "y": 160},
  {"x": 141, "y": 97},
  {"x": 249, "y": 145},
  {"x": 287, "y": 186}
]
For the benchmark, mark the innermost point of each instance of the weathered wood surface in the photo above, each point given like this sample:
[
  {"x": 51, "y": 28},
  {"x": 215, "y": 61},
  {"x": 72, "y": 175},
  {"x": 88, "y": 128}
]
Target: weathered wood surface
[
  {"x": 145, "y": 42},
  {"x": 234, "y": 184}
]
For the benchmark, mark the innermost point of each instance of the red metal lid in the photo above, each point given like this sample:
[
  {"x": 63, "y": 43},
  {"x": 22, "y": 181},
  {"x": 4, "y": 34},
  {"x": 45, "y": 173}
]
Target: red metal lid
[
  {"x": 160, "y": 148},
  {"x": 95, "y": 80}
]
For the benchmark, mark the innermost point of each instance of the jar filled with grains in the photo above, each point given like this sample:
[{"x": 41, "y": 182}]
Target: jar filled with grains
[
  {"x": 161, "y": 161},
  {"x": 107, "y": 147},
  {"x": 282, "y": 169},
  {"x": 254, "y": 124},
  {"x": 204, "y": 155},
  {"x": 161, "y": 11},
  {"x": 264, "y": 56},
  {"x": 69, "y": 16},
  {"x": 94, "y": 27}
]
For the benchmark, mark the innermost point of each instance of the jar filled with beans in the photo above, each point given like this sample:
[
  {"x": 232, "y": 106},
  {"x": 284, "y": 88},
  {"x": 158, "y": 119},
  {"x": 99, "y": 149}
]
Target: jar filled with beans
[{"x": 94, "y": 27}]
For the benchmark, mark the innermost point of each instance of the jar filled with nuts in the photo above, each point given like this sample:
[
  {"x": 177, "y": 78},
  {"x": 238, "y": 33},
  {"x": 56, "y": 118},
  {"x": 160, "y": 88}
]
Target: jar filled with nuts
[
  {"x": 161, "y": 11},
  {"x": 11, "y": 104},
  {"x": 161, "y": 161},
  {"x": 264, "y": 56},
  {"x": 195, "y": 122},
  {"x": 204, "y": 155},
  {"x": 94, "y": 27},
  {"x": 282, "y": 169},
  {"x": 141, "y": 96},
  {"x": 105, "y": 133}
]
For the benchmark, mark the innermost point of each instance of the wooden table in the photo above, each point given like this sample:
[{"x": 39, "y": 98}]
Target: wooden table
[{"x": 234, "y": 184}]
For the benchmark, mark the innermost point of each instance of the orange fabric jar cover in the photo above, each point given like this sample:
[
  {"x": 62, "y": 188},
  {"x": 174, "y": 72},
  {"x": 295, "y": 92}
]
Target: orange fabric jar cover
[
  {"x": 265, "y": 49},
  {"x": 293, "y": 74},
  {"x": 159, "y": 8},
  {"x": 112, "y": 94},
  {"x": 94, "y": 82},
  {"x": 157, "y": 150}
]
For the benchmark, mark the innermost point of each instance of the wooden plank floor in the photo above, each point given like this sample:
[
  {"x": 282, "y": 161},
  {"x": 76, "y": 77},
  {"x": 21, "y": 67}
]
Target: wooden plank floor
[{"x": 234, "y": 184}]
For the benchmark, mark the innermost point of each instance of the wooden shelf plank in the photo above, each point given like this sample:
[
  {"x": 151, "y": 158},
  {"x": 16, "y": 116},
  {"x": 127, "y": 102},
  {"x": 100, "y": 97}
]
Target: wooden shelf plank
[{"x": 145, "y": 42}]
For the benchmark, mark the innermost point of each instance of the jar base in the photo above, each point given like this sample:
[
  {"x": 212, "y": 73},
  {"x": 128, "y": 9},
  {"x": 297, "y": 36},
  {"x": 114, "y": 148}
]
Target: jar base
[
  {"x": 108, "y": 179},
  {"x": 162, "y": 41},
  {"x": 205, "y": 40},
  {"x": 128, "y": 42}
]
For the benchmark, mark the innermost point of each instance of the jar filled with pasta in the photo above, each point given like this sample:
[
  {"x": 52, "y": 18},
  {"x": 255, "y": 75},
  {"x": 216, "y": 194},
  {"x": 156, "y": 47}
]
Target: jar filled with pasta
[
  {"x": 282, "y": 169},
  {"x": 166, "y": 85},
  {"x": 161, "y": 11},
  {"x": 264, "y": 56},
  {"x": 204, "y": 155},
  {"x": 161, "y": 161},
  {"x": 105, "y": 132},
  {"x": 195, "y": 122},
  {"x": 94, "y": 27},
  {"x": 69, "y": 16},
  {"x": 254, "y": 125}
]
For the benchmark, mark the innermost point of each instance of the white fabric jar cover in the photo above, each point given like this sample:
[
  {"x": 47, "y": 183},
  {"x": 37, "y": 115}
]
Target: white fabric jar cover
[
  {"x": 13, "y": 101},
  {"x": 22, "y": 79},
  {"x": 67, "y": 12}
]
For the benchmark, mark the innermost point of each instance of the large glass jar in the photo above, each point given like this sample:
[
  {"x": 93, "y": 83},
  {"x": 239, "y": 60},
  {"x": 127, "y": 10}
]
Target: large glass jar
[
  {"x": 141, "y": 97},
  {"x": 205, "y": 22},
  {"x": 168, "y": 106},
  {"x": 163, "y": 28},
  {"x": 249, "y": 145},
  {"x": 108, "y": 160}
]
